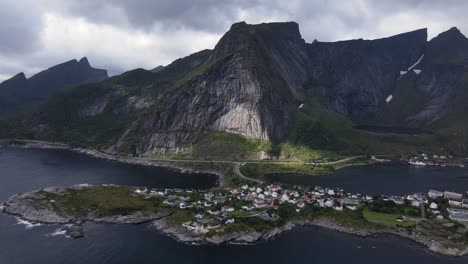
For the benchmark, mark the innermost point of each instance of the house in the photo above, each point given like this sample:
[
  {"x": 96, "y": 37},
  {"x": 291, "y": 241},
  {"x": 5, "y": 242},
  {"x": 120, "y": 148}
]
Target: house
[
  {"x": 261, "y": 196},
  {"x": 214, "y": 212},
  {"x": 250, "y": 197},
  {"x": 415, "y": 203},
  {"x": 331, "y": 192},
  {"x": 329, "y": 203},
  {"x": 169, "y": 202},
  {"x": 209, "y": 196},
  {"x": 369, "y": 198},
  {"x": 433, "y": 206},
  {"x": 459, "y": 215},
  {"x": 259, "y": 190},
  {"x": 200, "y": 216},
  {"x": 182, "y": 205},
  {"x": 293, "y": 193},
  {"x": 207, "y": 204},
  {"x": 465, "y": 203},
  {"x": 397, "y": 200},
  {"x": 338, "y": 208},
  {"x": 248, "y": 207},
  {"x": 351, "y": 207},
  {"x": 435, "y": 194},
  {"x": 260, "y": 205},
  {"x": 308, "y": 199},
  {"x": 455, "y": 202},
  {"x": 184, "y": 198},
  {"x": 453, "y": 196},
  {"x": 140, "y": 190},
  {"x": 229, "y": 220},
  {"x": 420, "y": 196},
  {"x": 227, "y": 208},
  {"x": 350, "y": 201},
  {"x": 300, "y": 204},
  {"x": 274, "y": 194}
]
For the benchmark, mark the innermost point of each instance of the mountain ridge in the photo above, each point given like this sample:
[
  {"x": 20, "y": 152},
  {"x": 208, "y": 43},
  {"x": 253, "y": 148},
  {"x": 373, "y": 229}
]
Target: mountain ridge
[
  {"x": 19, "y": 92},
  {"x": 265, "y": 83}
]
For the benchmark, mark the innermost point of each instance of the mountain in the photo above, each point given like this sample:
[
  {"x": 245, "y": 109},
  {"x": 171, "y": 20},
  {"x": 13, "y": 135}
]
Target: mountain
[
  {"x": 19, "y": 93},
  {"x": 263, "y": 89}
]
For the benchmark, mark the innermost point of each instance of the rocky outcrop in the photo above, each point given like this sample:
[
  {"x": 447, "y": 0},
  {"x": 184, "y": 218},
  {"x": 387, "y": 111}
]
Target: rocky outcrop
[{"x": 37, "y": 207}]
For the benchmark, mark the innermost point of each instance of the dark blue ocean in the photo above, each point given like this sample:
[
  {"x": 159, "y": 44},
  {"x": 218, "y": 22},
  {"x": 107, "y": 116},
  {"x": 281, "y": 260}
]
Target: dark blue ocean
[{"x": 24, "y": 170}]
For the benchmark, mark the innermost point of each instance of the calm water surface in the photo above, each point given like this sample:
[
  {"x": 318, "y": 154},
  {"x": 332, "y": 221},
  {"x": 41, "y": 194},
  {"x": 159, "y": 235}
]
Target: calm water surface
[
  {"x": 397, "y": 179},
  {"x": 25, "y": 170}
]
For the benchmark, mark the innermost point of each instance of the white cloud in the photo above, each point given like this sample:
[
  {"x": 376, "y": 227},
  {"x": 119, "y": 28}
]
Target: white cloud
[{"x": 119, "y": 48}]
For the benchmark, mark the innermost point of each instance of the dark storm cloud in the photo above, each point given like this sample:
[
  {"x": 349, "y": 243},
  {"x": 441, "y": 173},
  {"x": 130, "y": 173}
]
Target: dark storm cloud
[
  {"x": 204, "y": 15},
  {"x": 124, "y": 34}
]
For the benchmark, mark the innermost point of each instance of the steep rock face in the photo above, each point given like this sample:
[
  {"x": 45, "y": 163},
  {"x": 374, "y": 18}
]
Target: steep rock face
[
  {"x": 358, "y": 75},
  {"x": 441, "y": 75},
  {"x": 248, "y": 86},
  {"x": 19, "y": 93}
]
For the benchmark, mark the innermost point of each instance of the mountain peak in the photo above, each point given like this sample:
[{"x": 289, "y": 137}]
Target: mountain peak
[
  {"x": 453, "y": 34},
  {"x": 238, "y": 25},
  {"x": 19, "y": 76},
  {"x": 84, "y": 61}
]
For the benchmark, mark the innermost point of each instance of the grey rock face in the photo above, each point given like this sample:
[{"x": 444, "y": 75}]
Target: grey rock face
[
  {"x": 258, "y": 74},
  {"x": 97, "y": 107},
  {"x": 360, "y": 74},
  {"x": 441, "y": 77},
  {"x": 27, "y": 206},
  {"x": 249, "y": 88}
]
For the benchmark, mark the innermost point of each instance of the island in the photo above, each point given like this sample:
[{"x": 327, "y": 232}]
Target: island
[{"x": 251, "y": 213}]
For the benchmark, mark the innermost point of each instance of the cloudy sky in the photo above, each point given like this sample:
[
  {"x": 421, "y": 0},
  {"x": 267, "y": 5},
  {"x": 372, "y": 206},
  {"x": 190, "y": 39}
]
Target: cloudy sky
[{"x": 119, "y": 35}]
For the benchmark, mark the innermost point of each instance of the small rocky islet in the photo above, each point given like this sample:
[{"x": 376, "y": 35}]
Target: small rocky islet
[{"x": 249, "y": 214}]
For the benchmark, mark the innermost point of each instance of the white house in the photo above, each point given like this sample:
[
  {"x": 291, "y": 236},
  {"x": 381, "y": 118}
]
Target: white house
[{"x": 435, "y": 194}]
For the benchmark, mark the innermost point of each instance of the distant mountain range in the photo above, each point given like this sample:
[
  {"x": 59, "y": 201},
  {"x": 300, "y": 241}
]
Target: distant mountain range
[
  {"x": 264, "y": 91},
  {"x": 20, "y": 93}
]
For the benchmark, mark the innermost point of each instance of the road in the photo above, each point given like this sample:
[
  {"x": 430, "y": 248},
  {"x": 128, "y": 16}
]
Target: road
[
  {"x": 239, "y": 173},
  {"x": 149, "y": 160}
]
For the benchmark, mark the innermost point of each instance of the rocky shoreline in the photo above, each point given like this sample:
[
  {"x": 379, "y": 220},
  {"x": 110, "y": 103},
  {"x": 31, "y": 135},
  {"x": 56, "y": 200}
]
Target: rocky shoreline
[
  {"x": 33, "y": 144},
  {"x": 33, "y": 207}
]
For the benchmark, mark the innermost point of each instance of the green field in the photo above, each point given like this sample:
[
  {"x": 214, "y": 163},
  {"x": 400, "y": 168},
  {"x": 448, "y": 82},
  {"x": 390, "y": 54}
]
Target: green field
[
  {"x": 386, "y": 219},
  {"x": 104, "y": 201}
]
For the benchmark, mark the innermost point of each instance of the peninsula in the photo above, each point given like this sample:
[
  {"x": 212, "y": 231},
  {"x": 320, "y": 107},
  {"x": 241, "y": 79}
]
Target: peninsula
[{"x": 251, "y": 213}]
